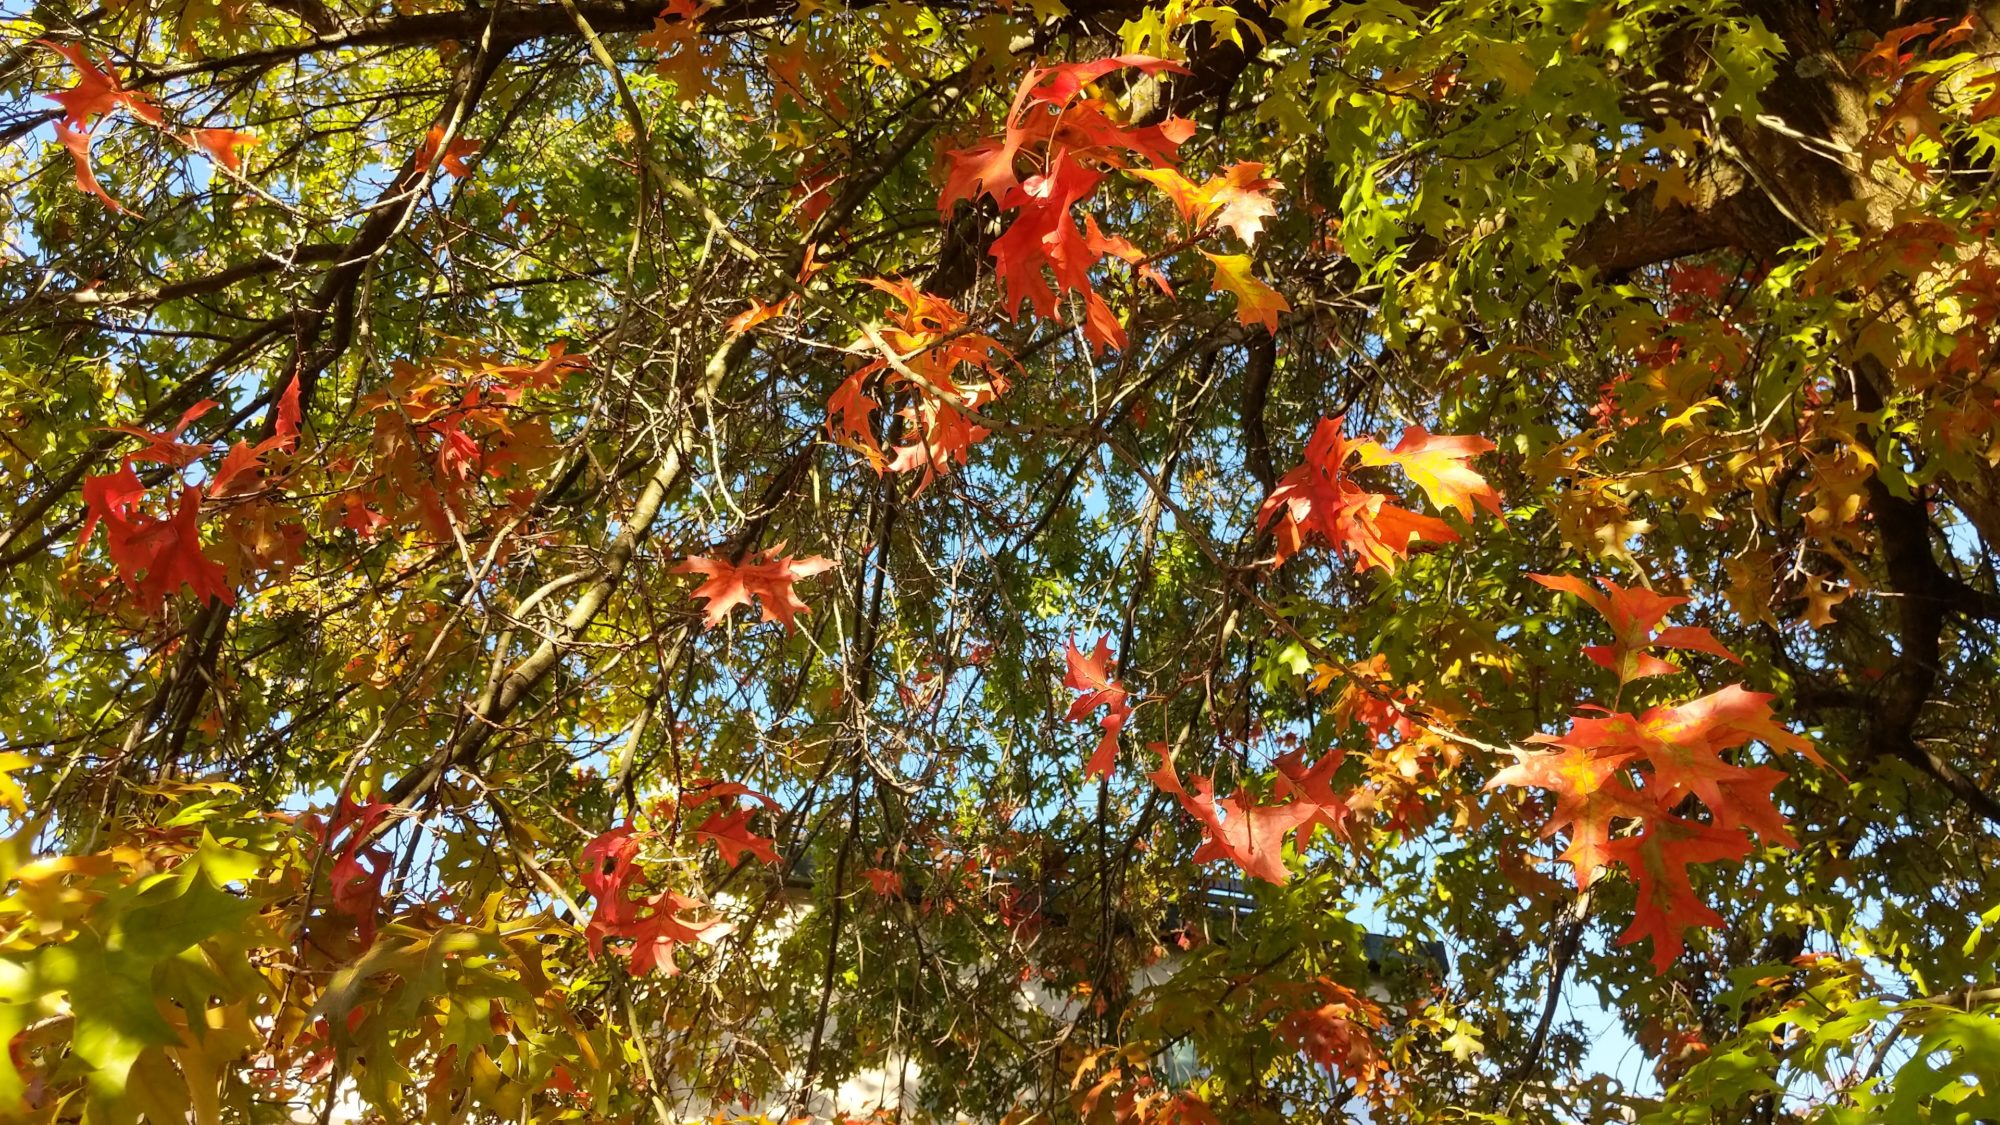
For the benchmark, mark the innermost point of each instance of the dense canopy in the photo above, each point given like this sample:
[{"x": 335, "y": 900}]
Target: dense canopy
[{"x": 1195, "y": 561}]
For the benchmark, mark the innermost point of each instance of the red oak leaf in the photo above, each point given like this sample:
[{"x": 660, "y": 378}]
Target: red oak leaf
[
  {"x": 359, "y": 868},
  {"x": 454, "y": 155},
  {"x": 653, "y": 924},
  {"x": 1683, "y": 744},
  {"x": 661, "y": 929},
  {"x": 97, "y": 90},
  {"x": 1313, "y": 787},
  {"x": 758, "y": 313},
  {"x": 1234, "y": 201},
  {"x": 245, "y": 459},
  {"x": 988, "y": 168},
  {"x": 1256, "y": 302},
  {"x": 172, "y": 557},
  {"x": 166, "y": 448},
  {"x": 608, "y": 869},
  {"x": 154, "y": 557},
  {"x": 1591, "y": 793},
  {"x": 1251, "y": 836},
  {"x": 885, "y": 883},
  {"x": 931, "y": 348},
  {"x": 1091, "y": 675},
  {"x": 95, "y": 93},
  {"x": 1070, "y": 142},
  {"x": 850, "y": 414},
  {"x": 78, "y": 144},
  {"x": 545, "y": 374},
  {"x": 1120, "y": 247},
  {"x": 731, "y": 835},
  {"x": 1337, "y": 1033},
  {"x": 1165, "y": 777},
  {"x": 1658, "y": 858},
  {"x": 768, "y": 578},
  {"x": 1100, "y": 325},
  {"x": 702, "y": 792},
  {"x": 1746, "y": 803},
  {"x": 1372, "y": 699},
  {"x": 110, "y": 498},
  {"x": 1633, "y": 615},
  {"x": 1320, "y": 500},
  {"x": 946, "y": 440}
]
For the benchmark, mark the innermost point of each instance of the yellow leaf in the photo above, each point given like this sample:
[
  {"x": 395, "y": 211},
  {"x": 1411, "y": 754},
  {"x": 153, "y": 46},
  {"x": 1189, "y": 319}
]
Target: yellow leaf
[
  {"x": 1256, "y": 302},
  {"x": 10, "y": 790}
]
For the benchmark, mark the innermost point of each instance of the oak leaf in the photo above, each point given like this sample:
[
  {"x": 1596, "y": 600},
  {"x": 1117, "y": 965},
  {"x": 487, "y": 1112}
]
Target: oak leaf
[
  {"x": 1235, "y": 201},
  {"x": 1634, "y": 613},
  {"x": 1658, "y": 858},
  {"x": 1256, "y": 302},
  {"x": 1091, "y": 676},
  {"x": 767, "y": 576},
  {"x": 731, "y": 835},
  {"x": 1320, "y": 499},
  {"x": 221, "y": 145},
  {"x": 1436, "y": 463}
]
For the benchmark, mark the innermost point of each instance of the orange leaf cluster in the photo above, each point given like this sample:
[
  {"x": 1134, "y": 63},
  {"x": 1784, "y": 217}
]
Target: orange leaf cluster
[
  {"x": 1071, "y": 141},
  {"x": 99, "y": 93},
  {"x": 1335, "y": 1028},
  {"x": 443, "y": 427},
  {"x": 653, "y": 923},
  {"x": 1320, "y": 499},
  {"x": 1132, "y": 1097},
  {"x": 1622, "y": 781},
  {"x": 929, "y": 338}
]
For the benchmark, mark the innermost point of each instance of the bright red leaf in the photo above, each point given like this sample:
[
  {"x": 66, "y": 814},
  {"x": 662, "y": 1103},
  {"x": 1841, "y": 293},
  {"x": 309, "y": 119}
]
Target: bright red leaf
[{"x": 652, "y": 924}]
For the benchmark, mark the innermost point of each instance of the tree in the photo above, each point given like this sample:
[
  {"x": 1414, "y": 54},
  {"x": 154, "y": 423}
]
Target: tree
[{"x": 1203, "y": 561}]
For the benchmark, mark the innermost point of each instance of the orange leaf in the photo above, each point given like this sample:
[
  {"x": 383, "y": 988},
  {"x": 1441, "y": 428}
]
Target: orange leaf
[
  {"x": 454, "y": 156},
  {"x": 78, "y": 144},
  {"x": 221, "y": 145},
  {"x": 1091, "y": 676},
  {"x": 1633, "y": 614},
  {"x": 1234, "y": 201},
  {"x": 1256, "y": 302},
  {"x": 769, "y": 579},
  {"x": 758, "y": 313},
  {"x": 1436, "y": 463}
]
